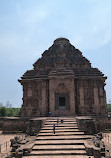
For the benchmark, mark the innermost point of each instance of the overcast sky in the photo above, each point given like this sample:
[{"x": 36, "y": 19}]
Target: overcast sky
[{"x": 28, "y": 27}]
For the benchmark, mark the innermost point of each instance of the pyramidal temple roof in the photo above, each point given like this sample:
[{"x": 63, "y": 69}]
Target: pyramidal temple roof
[
  {"x": 62, "y": 57},
  {"x": 61, "y": 40}
]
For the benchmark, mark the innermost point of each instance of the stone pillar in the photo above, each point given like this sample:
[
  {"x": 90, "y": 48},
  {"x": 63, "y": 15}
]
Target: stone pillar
[
  {"x": 81, "y": 108},
  {"x": 105, "y": 102},
  {"x": 72, "y": 95},
  {"x": 51, "y": 97},
  {"x": 101, "y": 99},
  {"x": 44, "y": 100},
  {"x": 96, "y": 101}
]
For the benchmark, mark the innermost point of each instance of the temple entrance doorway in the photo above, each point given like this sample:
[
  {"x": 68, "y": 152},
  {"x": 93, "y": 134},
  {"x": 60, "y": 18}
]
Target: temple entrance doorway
[{"x": 62, "y": 102}]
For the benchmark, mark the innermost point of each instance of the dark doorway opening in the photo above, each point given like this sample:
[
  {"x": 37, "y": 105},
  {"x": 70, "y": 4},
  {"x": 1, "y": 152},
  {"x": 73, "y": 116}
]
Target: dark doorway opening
[{"x": 62, "y": 101}]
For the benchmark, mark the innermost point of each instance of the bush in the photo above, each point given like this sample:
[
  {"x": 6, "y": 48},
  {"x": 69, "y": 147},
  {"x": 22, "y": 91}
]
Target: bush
[
  {"x": 9, "y": 112},
  {"x": 109, "y": 107},
  {"x": 2, "y": 111}
]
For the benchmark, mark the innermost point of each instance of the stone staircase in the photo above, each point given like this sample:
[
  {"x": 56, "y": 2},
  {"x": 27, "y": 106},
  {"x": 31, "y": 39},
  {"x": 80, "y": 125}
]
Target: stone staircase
[{"x": 67, "y": 142}]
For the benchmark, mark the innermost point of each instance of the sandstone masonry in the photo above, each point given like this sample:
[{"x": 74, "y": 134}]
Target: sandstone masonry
[{"x": 63, "y": 83}]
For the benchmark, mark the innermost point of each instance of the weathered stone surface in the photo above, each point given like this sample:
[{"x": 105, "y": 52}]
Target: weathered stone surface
[
  {"x": 14, "y": 124},
  {"x": 63, "y": 83},
  {"x": 95, "y": 146},
  {"x": 87, "y": 124},
  {"x": 34, "y": 126},
  {"x": 61, "y": 144},
  {"x": 22, "y": 125}
]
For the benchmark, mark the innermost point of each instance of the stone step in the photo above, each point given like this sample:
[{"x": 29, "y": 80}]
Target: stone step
[
  {"x": 51, "y": 122},
  {"x": 59, "y": 147},
  {"x": 61, "y": 133},
  {"x": 59, "y": 130},
  {"x": 55, "y": 122},
  {"x": 67, "y": 142},
  {"x": 62, "y": 125},
  {"x": 59, "y": 156},
  {"x": 58, "y": 152},
  {"x": 64, "y": 121},
  {"x": 62, "y": 128},
  {"x": 60, "y": 142},
  {"x": 54, "y": 137},
  {"x": 64, "y": 118}
]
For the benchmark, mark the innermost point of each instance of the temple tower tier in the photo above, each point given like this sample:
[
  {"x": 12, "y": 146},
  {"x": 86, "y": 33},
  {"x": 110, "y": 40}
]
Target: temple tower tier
[{"x": 63, "y": 83}]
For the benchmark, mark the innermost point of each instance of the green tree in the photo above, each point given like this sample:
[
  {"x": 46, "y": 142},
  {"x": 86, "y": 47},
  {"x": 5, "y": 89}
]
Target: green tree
[
  {"x": 109, "y": 107},
  {"x": 12, "y": 112},
  {"x": 2, "y": 111}
]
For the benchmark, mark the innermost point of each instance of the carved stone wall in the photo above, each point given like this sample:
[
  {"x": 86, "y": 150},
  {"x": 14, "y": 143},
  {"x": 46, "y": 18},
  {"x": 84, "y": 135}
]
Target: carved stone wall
[
  {"x": 64, "y": 83},
  {"x": 34, "y": 99},
  {"x": 91, "y": 97},
  {"x": 62, "y": 86}
]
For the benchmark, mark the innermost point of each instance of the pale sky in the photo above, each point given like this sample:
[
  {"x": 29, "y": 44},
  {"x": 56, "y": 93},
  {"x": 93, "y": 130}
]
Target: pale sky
[{"x": 28, "y": 27}]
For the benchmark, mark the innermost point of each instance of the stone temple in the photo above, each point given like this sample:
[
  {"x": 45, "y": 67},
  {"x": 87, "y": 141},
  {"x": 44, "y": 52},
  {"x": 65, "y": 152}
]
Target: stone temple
[{"x": 64, "y": 83}]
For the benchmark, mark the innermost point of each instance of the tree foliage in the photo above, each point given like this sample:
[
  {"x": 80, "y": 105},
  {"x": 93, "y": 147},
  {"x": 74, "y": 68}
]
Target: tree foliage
[
  {"x": 9, "y": 112},
  {"x": 109, "y": 107},
  {"x": 2, "y": 111}
]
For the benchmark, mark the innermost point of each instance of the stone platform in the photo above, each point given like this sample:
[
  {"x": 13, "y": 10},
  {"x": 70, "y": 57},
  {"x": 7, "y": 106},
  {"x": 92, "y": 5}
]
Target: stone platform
[{"x": 67, "y": 142}]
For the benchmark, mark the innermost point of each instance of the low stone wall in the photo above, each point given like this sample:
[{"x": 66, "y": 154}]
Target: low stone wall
[
  {"x": 19, "y": 125},
  {"x": 91, "y": 125},
  {"x": 14, "y": 125},
  {"x": 34, "y": 126},
  {"x": 87, "y": 124},
  {"x": 104, "y": 123}
]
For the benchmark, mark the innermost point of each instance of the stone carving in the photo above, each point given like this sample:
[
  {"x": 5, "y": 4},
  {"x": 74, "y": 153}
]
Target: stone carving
[
  {"x": 95, "y": 146},
  {"x": 21, "y": 148},
  {"x": 97, "y": 140},
  {"x": 15, "y": 144},
  {"x": 63, "y": 64}
]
